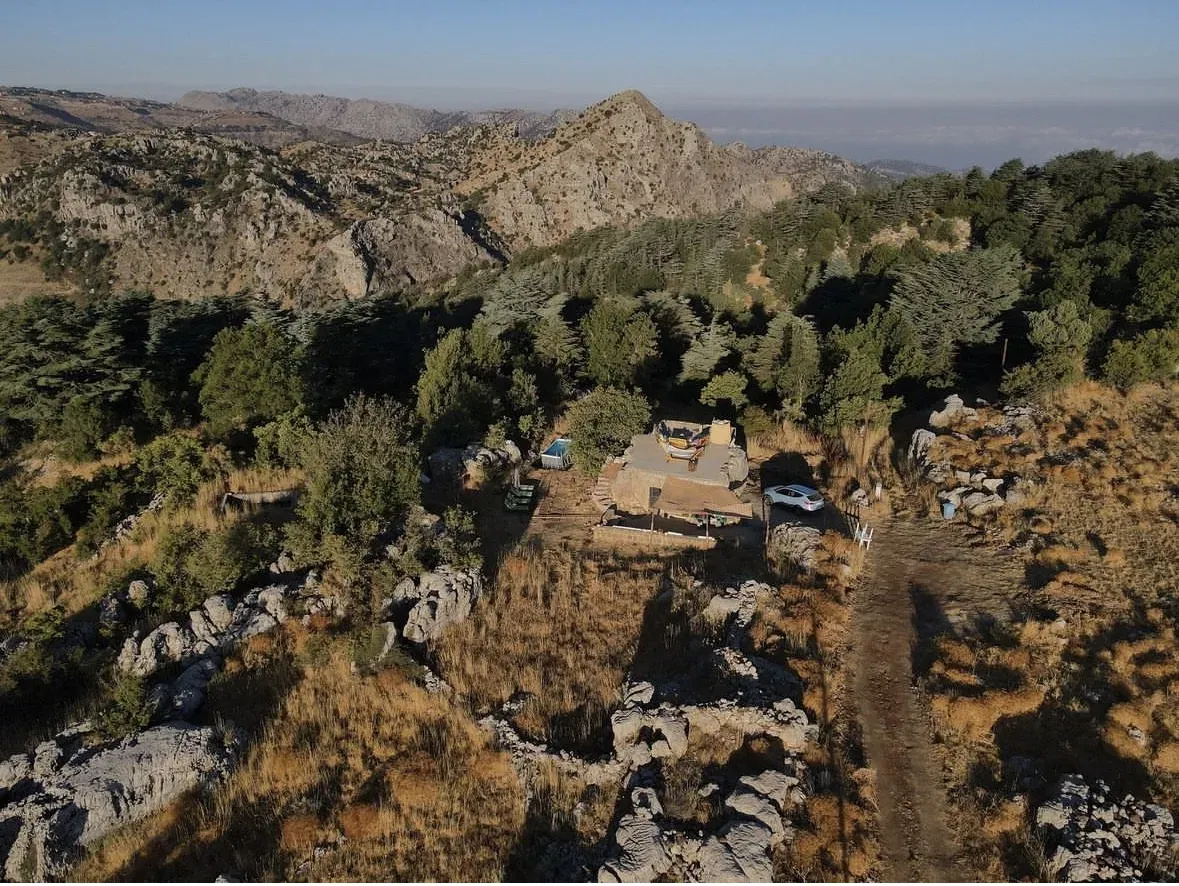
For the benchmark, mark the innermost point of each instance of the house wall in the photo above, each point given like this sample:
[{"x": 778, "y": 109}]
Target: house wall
[
  {"x": 621, "y": 535},
  {"x": 632, "y": 489}
]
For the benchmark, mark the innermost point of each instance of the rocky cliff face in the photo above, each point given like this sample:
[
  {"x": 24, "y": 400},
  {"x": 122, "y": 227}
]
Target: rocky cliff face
[
  {"x": 619, "y": 162},
  {"x": 185, "y": 215},
  {"x": 622, "y": 161}
]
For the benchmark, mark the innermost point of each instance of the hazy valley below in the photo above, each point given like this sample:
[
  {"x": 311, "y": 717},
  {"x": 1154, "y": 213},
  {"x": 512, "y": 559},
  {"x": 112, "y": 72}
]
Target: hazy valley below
[{"x": 953, "y": 136}]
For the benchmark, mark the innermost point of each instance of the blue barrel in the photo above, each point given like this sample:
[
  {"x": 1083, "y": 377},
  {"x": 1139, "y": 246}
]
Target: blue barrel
[{"x": 948, "y": 509}]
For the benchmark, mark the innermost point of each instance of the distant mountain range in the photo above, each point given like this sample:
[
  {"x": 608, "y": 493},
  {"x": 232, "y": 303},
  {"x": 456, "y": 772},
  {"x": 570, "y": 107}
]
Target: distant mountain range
[
  {"x": 367, "y": 118},
  {"x": 900, "y": 169},
  {"x": 95, "y": 112}
]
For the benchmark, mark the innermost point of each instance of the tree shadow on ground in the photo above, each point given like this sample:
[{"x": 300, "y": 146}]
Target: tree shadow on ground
[
  {"x": 929, "y": 623},
  {"x": 786, "y": 467},
  {"x": 843, "y": 301},
  {"x": 549, "y": 848},
  {"x": 1066, "y": 733},
  {"x": 498, "y": 529}
]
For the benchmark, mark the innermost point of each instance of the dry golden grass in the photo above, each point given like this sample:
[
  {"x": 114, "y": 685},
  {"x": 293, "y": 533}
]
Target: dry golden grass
[
  {"x": 44, "y": 468},
  {"x": 1103, "y": 533},
  {"x": 563, "y": 626},
  {"x": 406, "y": 778},
  {"x": 787, "y": 437},
  {"x": 835, "y": 842},
  {"x": 807, "y": 629},
  {"x": 867, "y": 449},
  {"x": 974, "y": 717},
  {"x": 1166, "y": 757}
]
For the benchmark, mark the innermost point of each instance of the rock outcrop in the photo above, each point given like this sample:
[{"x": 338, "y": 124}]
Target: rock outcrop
[
  {"x": 965, "y": 489},
  {"x": 219, "y": 624},
  {"x": 953, "y": 410},
  {"x": 1091, "y": 836},
  {"x": 644, "y": 730},
  {"x": 795, "y": 544},
  {"x": 651, "y": 730},
  {"x": 650, "y": 847},
  {"x": 385, "y": 254},
  {"x": 61, "y": 797},
  {"x": 473, "y": 463},
  {"x": 436, "y": 600}
]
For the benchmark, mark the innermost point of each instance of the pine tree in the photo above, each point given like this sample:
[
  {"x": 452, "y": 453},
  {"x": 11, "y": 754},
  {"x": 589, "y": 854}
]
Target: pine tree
[
  {"x": 454, "y": 402},
  {"x": 249, "y": 377},
  {"x": 785, "y": 361},
  {"x": 728, "y": 386},
  {"x": 707, "y": 351},
  {"x": 958, "y": 297},
  {"x": 618, "y": 342}
]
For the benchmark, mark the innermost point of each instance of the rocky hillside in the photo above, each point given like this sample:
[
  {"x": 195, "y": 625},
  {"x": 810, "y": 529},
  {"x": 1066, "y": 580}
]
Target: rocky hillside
[
  {"x": 621, "y": 161},
  {"x": 94, "y": 112},
  {"x": 185, "y": 215},
  {"x": 365, "y": 117},
  {"x": 808, "y": 169},
  {"x": 100, "y": 194}
]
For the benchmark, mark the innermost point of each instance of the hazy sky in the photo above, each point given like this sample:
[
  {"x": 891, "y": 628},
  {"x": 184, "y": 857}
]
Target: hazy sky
[
  {"x": 930, "y": 80},
  {"x": 558, "y": 52}
]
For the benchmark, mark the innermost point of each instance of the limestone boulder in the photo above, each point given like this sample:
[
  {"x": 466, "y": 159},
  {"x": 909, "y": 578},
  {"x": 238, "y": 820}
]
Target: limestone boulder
[
  {"x": 87, "y": 794},
  {"x": 952, "y": 411},
  {"x": 444, "y": 597}
]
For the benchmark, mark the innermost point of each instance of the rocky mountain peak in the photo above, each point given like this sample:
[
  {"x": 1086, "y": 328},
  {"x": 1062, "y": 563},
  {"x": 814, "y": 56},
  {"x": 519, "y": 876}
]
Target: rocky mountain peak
[{"x": 630, "y": 98}]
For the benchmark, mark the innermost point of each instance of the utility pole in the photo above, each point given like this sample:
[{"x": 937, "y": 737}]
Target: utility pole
[
  {"x": 1003, "y": 359},
  {"x": 864, "y": 438}
]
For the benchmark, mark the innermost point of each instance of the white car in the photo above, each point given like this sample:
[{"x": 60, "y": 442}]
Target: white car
[{"x": 795, "y": 495}]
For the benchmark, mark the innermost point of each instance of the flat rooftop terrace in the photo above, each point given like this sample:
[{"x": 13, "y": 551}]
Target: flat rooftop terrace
[{"x": 646, "y": 453}]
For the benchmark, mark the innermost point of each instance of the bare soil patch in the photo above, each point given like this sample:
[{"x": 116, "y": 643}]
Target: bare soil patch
[{"x": 921, "y": 578}]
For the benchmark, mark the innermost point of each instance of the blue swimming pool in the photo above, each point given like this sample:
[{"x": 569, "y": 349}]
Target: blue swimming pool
[
  {"x": 557, "y": 456},
  {"x": 558, "y": 447}
]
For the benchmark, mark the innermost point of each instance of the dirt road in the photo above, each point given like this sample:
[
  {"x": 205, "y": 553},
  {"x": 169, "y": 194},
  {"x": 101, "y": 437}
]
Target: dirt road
[{"x": 921, "y": 577}]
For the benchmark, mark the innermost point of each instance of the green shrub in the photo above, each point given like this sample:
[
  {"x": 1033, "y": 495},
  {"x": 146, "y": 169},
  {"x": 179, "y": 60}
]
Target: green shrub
[
  {"x": 363, "y": 476},
  {"x": 756, "y": 422},
  {"x": 459, "y": 545},
  {"x": 281, "y": 442},
  {"x": 1153, "y": 356},
  {"x": 176, "y": 466},
  {"x": 37, "y": 521},
  {"x": 602, "y": 423},
  {"x": 1051, "y": 372},
  {"x": 128, "y": 709},
  {"x": 85, "y": 423},
  {"x": 113, "y": 494},
  {"x": 191, "y": 565},
  {"x": 367, "y": 648},
  {"x": 250, "y": 376}
]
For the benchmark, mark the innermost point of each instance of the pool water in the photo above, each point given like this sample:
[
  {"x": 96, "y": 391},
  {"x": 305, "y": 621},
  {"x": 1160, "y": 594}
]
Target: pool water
[{"x": 557, "y": 447}]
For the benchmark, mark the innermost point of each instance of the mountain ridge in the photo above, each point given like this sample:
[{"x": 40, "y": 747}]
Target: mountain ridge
[
  {"x": 368, "y": 118},
  {"x": 96, "y": 112}
]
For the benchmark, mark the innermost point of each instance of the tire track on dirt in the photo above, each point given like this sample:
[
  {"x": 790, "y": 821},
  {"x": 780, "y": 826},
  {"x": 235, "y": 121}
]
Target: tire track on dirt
[{"x": 934, "y": 564}]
